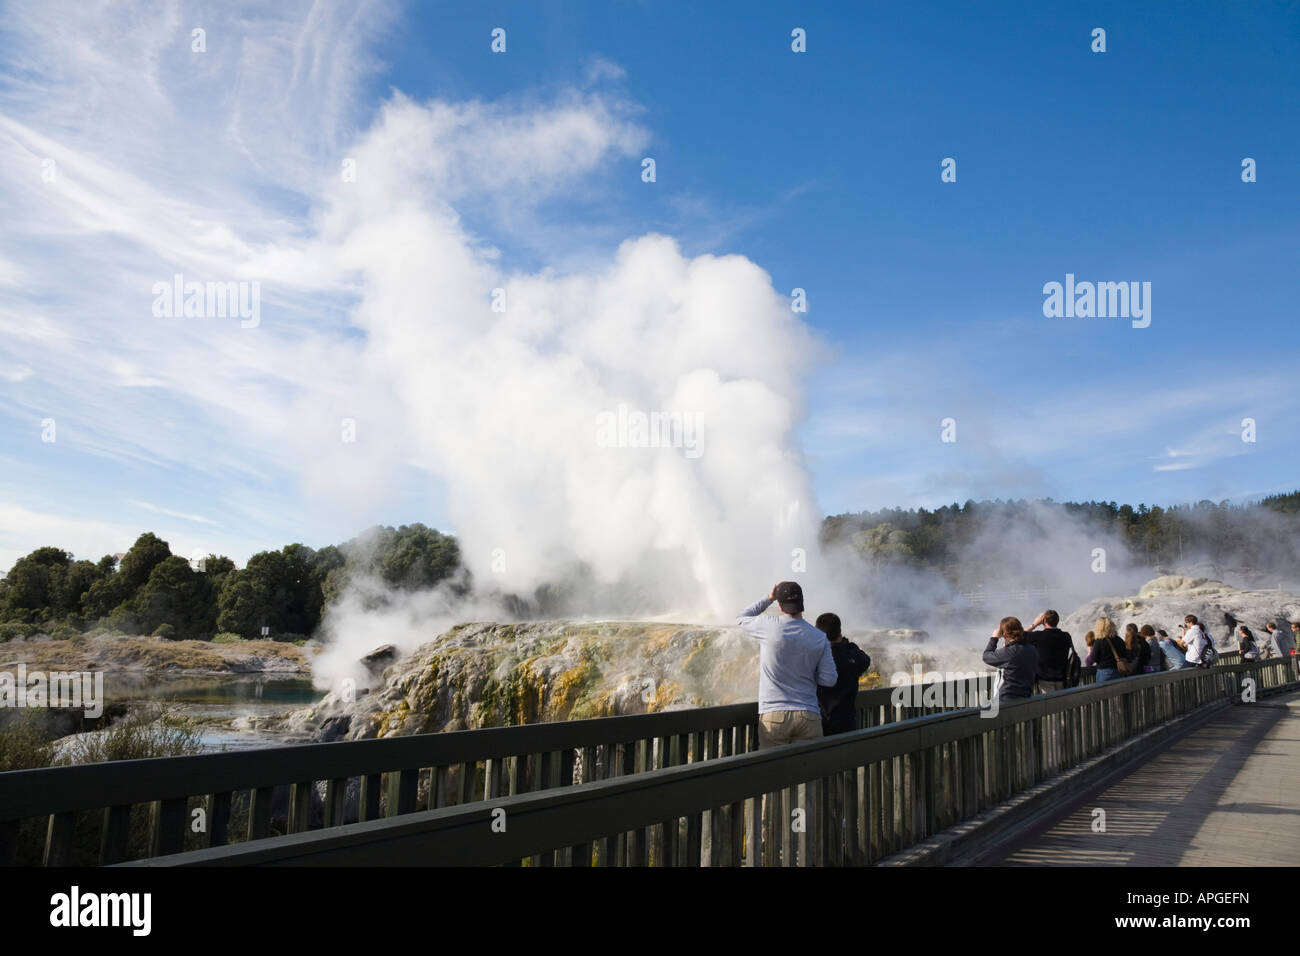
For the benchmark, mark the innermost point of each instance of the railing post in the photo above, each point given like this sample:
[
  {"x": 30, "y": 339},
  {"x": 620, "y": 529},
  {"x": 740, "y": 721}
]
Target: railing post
[
  {"x": 916, "y": 791},
  {"x": 336, "y": 796},
  {"x": 218, "y": 819},
  {"x": 369, "y": 798},
  {"x": 114, "y": 838},
  {"x": 168, "y": 826},
  {"x": 403, "y": 786},
  {"x": 259, "y": 813},
  {"x": 58, "y": 839},
  {"x": 300, "y": 806},
  {"x": 9, "y": 830}
]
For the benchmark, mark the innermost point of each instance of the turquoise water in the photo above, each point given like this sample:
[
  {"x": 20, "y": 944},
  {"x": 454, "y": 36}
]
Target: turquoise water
[{"x": 218, "y": 700}]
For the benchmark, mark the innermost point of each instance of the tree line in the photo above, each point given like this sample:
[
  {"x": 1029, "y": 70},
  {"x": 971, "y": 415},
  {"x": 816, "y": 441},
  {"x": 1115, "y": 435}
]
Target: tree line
[
  {"x": 152, "y": 591},
  {"x": 1260, "y": 534}
]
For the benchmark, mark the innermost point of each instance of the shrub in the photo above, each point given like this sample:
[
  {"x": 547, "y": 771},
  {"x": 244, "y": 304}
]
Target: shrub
[
  {"x": 288, "y": 638},
  {"x": 24, "y": 745},
  {"x": 225, "y": 637},
  {"x": 119, "y": 622},
  {"x": 165, "y": 631},
  {"x": 11, "y": 629},
  {"x": 63, "y": 631},
  {"x": 136, "y": 736}
]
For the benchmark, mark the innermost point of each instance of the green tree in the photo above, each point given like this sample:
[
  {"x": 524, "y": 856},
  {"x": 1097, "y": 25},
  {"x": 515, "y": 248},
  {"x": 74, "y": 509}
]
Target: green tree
[
  {"x": 416, "y": 558},
  {"x": 178, "y": 596},
  {"x": 278, "y": 589},
  {"x": 116, "y": 592},
  {"x": 137, "y": 564},
  {"x": 32, "y": 590}
]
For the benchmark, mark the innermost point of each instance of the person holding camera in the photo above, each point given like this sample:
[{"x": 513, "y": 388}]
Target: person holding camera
[
  {"x": 1055, "y": 648},
  {"x": 794, "y": 658},
  {"x": 1017, "y": 660}
]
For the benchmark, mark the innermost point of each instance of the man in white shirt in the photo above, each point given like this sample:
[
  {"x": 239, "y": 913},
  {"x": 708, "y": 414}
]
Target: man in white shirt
[
  {"x": 1195, "y": 639},
  {"x": 794, "y": 659}
]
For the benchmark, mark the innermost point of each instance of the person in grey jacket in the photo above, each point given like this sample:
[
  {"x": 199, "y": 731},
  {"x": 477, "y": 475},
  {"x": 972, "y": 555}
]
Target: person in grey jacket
[
  {"x": 794, "y": 658},
  {"x": 1017, "y": 660},
  {"x": 1282, "y": 642}
]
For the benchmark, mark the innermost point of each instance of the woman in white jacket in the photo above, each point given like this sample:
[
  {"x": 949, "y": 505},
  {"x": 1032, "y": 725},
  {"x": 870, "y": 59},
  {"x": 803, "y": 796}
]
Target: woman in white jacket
[{"x": 1195, "y": 639}]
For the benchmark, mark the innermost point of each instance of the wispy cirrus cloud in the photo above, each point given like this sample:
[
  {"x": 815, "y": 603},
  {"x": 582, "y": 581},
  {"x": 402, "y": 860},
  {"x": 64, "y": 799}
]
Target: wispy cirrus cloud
[
  {"x": 377, "y": 228},
  {"x": 198, "y": 519}
]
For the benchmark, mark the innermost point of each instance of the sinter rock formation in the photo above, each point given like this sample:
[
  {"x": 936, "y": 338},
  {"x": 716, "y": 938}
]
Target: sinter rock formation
[
  {"x": 1165, "y": 601},
  {"x": 489, "y": 675}
]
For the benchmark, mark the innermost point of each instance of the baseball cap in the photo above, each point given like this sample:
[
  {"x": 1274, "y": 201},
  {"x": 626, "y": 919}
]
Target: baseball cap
[{"x": 790, "y": 596}]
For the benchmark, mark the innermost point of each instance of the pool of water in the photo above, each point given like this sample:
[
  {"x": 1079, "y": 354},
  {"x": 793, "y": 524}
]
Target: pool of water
[{"x": 215, "y": 701}]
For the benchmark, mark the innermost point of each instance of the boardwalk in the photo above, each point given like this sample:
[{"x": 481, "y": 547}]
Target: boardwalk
[{"x": 1226, "y": 795}]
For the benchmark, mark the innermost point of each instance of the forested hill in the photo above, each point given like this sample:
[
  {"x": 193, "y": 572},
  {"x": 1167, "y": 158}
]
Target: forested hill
[
  {"x": 1259, "y": 534},
  {"x": 152, "y": 591}
]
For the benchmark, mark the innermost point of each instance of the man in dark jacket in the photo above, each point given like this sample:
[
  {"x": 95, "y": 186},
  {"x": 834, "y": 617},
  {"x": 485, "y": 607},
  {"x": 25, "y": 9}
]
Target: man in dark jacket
[
  {"x": 1018, "y": 661},
  {"x": 839, "y": 713},
  {"x": 1054, "y": 647}
]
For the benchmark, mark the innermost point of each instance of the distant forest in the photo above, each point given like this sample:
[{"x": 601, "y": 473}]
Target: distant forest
[
  {"x": 1252, "y": 535},
  {"x": 152, "y": 591}
]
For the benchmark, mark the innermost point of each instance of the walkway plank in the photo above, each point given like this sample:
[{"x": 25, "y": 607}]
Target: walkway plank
[{"x": 1226, "y": 795}]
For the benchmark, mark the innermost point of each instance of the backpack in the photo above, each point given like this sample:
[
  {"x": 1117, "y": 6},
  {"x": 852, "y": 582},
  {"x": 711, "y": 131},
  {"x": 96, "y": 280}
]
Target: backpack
[
  {"x": 1073, "y": 669},
  {"x": 1210, "y": 654}
]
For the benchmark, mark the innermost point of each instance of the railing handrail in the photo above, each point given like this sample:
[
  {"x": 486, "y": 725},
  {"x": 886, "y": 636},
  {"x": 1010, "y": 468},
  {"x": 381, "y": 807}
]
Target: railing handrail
[
  {"x": 28, "y": 793},
  {"x": 622, "y": 804},
  {"x": 36, "y": 792}
]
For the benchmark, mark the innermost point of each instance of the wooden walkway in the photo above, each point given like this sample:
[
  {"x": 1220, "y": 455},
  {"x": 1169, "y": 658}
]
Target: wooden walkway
[{"x": 1228, "y": 794}]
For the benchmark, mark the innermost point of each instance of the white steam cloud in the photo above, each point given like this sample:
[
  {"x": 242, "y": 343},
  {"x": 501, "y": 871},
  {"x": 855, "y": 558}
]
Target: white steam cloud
[{"x": 503, "y": 405}]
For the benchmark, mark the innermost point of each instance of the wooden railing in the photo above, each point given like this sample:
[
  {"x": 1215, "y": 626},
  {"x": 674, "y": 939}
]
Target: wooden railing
[
  {"x": 849, "y": 799},
  {"x": 146, "y": 809},
  {"x": 110, "y": 812}
]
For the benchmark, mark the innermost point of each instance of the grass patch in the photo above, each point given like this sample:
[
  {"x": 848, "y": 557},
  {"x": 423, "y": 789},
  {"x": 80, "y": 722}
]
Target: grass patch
[
  {"x": 24, "y": 745},
  {"x": 136, "y": 736}
]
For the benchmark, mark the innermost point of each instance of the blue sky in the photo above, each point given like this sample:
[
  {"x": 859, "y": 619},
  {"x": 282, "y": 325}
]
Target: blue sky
[{"x": 821, "y": 168}]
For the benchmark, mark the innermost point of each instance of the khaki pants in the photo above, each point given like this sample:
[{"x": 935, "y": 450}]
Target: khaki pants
[{"x": 788, "y": 727}]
